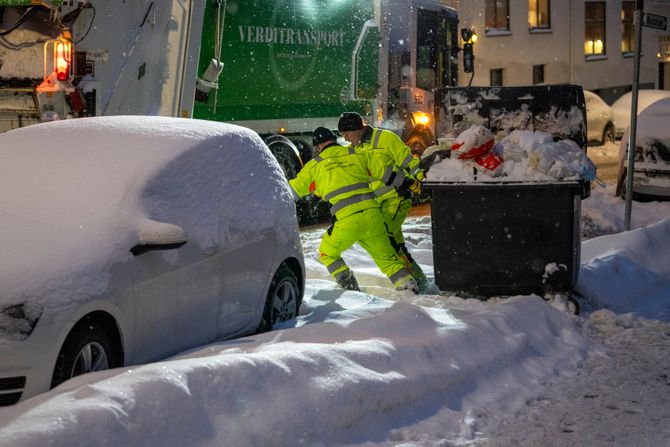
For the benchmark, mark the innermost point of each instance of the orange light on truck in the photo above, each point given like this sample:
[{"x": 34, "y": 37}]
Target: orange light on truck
[{"x": 421, "y": 118}]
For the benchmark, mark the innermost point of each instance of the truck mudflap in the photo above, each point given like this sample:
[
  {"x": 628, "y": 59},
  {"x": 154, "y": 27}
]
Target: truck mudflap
[{"x": 556, "y": 109}]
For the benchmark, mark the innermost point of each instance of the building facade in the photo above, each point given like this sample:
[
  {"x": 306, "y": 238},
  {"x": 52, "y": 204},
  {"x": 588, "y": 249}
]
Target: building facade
[{"x": 585, "y": 42}]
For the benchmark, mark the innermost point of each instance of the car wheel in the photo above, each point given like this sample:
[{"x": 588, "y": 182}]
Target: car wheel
[
  {"x": 283, "y": 300},
  {"x": 88, "y": 348},
  {"x": 609, "y": 135}
]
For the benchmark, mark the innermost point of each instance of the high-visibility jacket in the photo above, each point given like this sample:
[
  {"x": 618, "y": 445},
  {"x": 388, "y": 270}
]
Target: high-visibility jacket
[
  {"x": 390, "y": 161},
  {"x": 340, "y": 176}
]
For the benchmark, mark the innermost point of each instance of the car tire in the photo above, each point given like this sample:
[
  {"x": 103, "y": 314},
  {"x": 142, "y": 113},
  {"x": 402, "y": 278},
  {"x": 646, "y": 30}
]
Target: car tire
[
  {"x": 609, "y": 134},
  {"x": 87, "y": 348},
  {"x": 283, "y": 300}
]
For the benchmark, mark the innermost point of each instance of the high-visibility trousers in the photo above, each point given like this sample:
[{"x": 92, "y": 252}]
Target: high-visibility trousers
[
  {"x": 395, "y": 211},
  {"x": 368, "y": 229}
]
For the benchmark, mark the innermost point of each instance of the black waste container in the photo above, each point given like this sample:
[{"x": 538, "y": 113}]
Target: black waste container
[{"x": 506, "y": 238}]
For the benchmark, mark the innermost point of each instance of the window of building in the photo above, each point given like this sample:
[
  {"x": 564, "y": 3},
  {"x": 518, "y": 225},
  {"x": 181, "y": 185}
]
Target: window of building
[
  {"x": 594, "y": 26},
  {"x": 627, "y": 27},
  {"x": 538, "y": 74},
  {"x": 496, "y": 77},
  {"x": 538, "y": 14},
  {"x": 497, "y": 15}
]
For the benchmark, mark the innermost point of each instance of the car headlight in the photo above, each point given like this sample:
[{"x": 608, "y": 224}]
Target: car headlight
[{"x": 20, "y": 319}]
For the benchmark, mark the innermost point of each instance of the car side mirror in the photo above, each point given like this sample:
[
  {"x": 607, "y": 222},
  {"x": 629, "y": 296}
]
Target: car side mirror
[{"x": 154, "y": 235}]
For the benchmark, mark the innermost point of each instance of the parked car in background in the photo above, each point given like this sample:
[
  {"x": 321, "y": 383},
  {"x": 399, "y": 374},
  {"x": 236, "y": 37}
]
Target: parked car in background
[
  {"x": 652, "y": 153},
  {"x": 129, "y": 239},
  {"x": 599, "y": 120},
  {"x": 621, "y": 107}
]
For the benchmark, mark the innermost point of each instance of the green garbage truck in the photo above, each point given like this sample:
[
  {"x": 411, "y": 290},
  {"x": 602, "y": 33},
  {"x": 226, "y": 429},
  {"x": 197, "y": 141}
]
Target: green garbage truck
[{"x": 280, "y": 67}]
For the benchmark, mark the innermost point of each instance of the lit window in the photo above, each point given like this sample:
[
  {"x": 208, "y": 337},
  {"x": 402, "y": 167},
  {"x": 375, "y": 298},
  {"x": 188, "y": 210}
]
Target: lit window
[
  {"x": 594, "y": 42},
  {"x": 538, "y": 14}
]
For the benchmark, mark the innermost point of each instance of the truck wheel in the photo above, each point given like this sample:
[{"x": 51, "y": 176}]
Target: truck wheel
[
  {"x": 286, "y": 153},
  {"x": 420, "y": 139},
  {"x": 417, "y": 145}
]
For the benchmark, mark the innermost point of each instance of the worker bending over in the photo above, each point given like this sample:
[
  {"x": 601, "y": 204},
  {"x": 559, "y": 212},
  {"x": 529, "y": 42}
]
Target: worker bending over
[{"x": 340, "y": 176}]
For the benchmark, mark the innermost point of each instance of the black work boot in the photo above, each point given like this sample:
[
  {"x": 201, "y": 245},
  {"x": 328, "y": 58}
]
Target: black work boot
[{"x": 347, "y": 280}]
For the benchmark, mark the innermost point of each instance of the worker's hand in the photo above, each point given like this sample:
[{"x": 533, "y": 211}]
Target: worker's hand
[{"x": 415, "y": 187}]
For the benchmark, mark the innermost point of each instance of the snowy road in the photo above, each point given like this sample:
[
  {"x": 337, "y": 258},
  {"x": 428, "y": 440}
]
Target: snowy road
[{"x": 606, "y": 159}]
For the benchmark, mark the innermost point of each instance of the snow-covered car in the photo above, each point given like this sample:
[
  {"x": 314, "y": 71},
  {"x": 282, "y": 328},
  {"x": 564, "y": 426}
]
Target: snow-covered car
[
  {"x": 599, "y": 120},
  {"x": 129, "y": 239},
  {"x": 651, "y": 175},
  {"x": 621, "y": 107}
]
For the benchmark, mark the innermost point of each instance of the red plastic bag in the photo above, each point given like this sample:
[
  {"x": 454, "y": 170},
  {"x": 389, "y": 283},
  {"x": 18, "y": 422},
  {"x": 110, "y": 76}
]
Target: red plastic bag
[
  {"x": 489, "y": 161},
  {"x": 473, "y": 142}
]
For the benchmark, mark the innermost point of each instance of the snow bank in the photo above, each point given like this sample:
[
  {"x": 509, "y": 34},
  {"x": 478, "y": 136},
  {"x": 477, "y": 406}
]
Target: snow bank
[
  {"x": 628, "y": 272},
  {"x": 349, "y": 359}
]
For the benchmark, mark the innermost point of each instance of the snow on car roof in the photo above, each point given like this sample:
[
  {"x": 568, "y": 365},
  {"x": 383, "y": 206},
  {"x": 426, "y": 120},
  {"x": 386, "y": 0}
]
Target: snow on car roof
[
  {"x": 621, "y": 107},
  {"x": 652, "y": 123},
  {"x": 72, "y": 193}
]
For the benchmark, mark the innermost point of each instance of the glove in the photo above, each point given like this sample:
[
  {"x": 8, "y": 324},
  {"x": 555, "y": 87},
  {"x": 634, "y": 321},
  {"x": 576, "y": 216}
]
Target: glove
[
  {"x": 415, "y": 187},
  {"x": 410, "y": 185}
]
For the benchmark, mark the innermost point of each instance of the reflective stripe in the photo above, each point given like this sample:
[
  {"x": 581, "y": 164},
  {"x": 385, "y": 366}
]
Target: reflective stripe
[
  {"x": 406, "y": 161},
  {"x": 383, "y": 190},
  {"x": 399, "y": 178},
  {"x": 318, "y": 158},
  {"x": 344, "y": 189},
  {"x": 350, "y": 201},
  {"x": 414, "y": 171},
  {"x": 399, "y": 275},
  {"x": 376, "y": 137},
  {"x": 336, "y": 265},
  {"x": 387, "y": 174}
]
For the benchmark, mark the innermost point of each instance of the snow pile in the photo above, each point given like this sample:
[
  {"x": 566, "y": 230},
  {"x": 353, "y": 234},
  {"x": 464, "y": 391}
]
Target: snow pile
[
  {"x": 617, "y": 275},
  {"x": 326, "y": 379},
  {"x": 528, "y": 156}
]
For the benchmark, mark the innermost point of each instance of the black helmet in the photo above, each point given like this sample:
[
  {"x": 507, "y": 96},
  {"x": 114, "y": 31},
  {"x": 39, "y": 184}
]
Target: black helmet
[
  {"x": 321, "y": 135},
  {"x": 350, "y": 121}
]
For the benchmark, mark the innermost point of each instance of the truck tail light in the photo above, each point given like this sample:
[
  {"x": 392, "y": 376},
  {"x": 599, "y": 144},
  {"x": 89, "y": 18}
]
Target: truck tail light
[
  {"x": 59, "y": 53},
  {"x": 62, "y": 59}
]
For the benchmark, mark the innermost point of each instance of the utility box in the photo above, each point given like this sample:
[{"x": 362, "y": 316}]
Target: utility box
[{"x": 506, "y": 238}]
